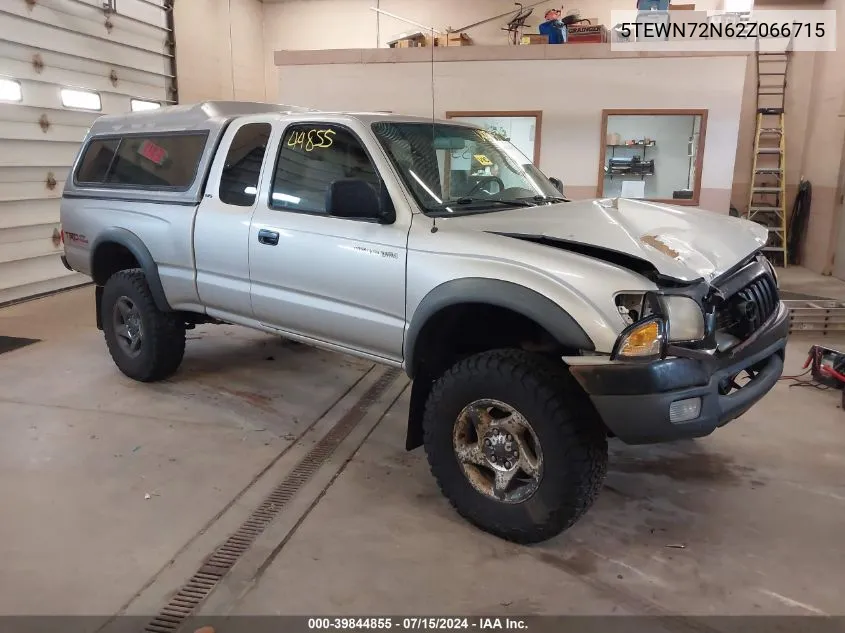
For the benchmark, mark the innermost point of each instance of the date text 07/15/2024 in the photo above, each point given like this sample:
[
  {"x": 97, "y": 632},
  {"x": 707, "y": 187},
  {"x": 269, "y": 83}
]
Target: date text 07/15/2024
[{"x": 415, "y": 623}]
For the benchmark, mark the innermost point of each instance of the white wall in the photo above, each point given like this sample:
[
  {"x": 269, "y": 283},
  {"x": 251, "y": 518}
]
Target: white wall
[
  {"x": 220, "y": 50},
  {"x": 571, "y": 105}
]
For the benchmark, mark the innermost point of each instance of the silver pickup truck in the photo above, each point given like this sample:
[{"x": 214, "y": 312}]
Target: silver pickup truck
[{"x": 533, "y": 327}]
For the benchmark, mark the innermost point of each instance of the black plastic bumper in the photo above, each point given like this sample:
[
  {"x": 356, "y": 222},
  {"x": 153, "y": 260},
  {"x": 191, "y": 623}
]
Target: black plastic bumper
[
  {"x": 633, "y": 399},
  {"x": 65, "y": 264}
]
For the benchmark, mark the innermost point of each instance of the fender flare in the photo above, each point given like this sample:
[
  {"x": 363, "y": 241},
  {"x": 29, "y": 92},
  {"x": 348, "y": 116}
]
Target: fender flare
[
  {"x": 136, "y": 246},
  {"x": 504, "y": 294}
]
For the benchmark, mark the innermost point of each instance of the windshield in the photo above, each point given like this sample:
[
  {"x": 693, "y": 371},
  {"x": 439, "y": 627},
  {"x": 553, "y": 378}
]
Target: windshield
[{"x": 456, "y": 170}]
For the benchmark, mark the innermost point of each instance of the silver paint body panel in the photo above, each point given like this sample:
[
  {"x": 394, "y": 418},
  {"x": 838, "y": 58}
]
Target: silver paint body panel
[{"x": 354, "y": 286}]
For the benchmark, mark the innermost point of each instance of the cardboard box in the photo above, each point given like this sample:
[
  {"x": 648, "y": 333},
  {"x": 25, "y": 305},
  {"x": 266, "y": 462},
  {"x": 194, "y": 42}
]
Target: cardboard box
[
  {"x": 409, "y": 40},
  {"x": 682, "y": 7},
  {"x": 534, "y": 38},
  {"x": 453, "y": 39},
  {"x": 586, "y": 34}
]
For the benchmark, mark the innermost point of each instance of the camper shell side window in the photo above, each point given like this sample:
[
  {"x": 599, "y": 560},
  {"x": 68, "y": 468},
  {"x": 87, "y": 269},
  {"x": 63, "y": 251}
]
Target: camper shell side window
[{"x": 167, "y": 161}]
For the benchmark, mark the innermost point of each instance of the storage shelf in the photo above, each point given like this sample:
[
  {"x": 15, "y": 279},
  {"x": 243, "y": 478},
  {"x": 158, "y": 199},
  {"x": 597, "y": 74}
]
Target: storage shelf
[{"x": 652, "y": 144}]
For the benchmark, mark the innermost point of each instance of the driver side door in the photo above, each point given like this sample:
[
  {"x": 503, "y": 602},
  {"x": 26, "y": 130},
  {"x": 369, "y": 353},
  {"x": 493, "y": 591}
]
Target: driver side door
[{"x": 331, "y": 280}]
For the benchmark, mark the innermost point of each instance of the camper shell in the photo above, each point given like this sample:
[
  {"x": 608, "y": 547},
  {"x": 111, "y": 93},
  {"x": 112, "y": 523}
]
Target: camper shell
[{"x": 209, "y": 118}]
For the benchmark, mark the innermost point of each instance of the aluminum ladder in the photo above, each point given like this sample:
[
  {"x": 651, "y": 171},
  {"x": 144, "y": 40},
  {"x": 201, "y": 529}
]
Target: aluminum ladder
[{"x": 767, "y": 194}]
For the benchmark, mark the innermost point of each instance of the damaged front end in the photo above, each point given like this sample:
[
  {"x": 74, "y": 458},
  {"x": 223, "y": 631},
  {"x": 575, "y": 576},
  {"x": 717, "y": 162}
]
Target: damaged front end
[
  {"x": 661, "y": 384},
  {"x": 696, "y": 319},
  {"x": 707, "y": 318}
]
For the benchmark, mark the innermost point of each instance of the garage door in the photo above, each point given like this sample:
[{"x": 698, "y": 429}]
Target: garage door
[{"x": 63, "y": 63}]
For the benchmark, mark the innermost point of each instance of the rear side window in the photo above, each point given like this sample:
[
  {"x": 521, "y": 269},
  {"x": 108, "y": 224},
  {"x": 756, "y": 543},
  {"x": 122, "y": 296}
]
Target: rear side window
[
  {"x": 156, "y": 162},
  {"x": 97, "y": 160},
  {"x": 239, "y": 180}
]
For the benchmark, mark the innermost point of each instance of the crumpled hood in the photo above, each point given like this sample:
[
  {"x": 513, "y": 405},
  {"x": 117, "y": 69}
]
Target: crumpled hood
[{"x": 684, "y": 243}]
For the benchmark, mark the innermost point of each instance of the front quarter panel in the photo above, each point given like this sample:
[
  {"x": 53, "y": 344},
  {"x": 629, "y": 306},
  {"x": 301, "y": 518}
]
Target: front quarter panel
[{"x": 583, "y": 287}]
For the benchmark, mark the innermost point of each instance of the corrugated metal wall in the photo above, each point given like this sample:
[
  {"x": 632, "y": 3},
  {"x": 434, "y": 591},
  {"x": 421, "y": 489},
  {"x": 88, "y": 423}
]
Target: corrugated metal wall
[{"x": 118, "y": 49}]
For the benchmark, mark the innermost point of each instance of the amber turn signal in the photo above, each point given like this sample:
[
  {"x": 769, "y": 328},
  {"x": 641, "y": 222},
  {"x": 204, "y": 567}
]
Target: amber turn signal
[{"x": 641, "y": 341}]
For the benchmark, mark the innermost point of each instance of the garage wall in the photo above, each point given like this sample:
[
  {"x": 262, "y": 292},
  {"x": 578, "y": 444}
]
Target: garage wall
[
  {"x": 47, "y": 46},
  {"x": 815, "y": 134},
  {"x": 571, "y": 134},
  {"x": 220, "y": 50},
  {"x": 330, "y": 24}
]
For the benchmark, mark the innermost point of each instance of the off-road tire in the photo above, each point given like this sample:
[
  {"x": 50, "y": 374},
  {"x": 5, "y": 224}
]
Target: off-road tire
[
  {"x": 163, "y": 340},
  {"x": 572, "y": 439}
]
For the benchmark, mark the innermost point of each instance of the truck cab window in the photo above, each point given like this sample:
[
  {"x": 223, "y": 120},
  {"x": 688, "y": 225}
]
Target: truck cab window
[
  {"x": 313, "y": 156},
  {"x": 239, "y": 180}
]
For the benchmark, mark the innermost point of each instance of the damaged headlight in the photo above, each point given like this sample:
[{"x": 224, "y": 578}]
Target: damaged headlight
[
  {"x": 683, "y": 320},
  {"x": 686, "y": 321}
]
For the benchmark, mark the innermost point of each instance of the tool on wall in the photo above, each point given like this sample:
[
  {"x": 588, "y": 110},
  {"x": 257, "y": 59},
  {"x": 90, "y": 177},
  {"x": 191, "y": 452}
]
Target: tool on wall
[
  {"x": 516, "y": 24},
  {"x": 767, "y": 191}
]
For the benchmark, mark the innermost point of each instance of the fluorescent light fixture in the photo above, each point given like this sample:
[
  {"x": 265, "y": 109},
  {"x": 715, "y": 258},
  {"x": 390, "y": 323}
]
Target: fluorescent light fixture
[
  {"x": 251, "y": 191},
  {"x": 81, "y": 99},
  {"x": 10, "y": 90},
  {"x": 283, "y": 197},
  {"x": 140, "y": 105}
]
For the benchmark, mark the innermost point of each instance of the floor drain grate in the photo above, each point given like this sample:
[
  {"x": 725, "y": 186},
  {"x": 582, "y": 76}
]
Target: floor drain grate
[{"x": 203, "y": 582}]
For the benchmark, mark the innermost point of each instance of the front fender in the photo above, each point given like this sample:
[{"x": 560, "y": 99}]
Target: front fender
[{"x": 504, "y": 294}]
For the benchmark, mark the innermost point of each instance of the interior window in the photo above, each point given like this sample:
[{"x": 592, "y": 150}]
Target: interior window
[
  {"x": 311, "y": 158},
  {"x": 157, "y": 161},
  {"x": 239, "y": 180},
  {"x": 95, "y": 163}
]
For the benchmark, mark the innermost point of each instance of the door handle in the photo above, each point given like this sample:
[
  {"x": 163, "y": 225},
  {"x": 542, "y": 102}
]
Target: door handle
[{"x": 270, "y": 238}]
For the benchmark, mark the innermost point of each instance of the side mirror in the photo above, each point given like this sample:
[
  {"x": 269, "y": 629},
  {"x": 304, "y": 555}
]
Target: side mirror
[
  {"x": 355, "y": 199},
  {"x": 557, "y": 183}
]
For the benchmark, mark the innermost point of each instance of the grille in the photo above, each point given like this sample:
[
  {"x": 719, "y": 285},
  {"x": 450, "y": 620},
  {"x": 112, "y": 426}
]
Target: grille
[{"x": 749, "y": 308}]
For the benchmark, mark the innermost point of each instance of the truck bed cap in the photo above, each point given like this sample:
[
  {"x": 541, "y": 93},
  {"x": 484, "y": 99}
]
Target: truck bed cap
[{"x": 198, "y": 116}]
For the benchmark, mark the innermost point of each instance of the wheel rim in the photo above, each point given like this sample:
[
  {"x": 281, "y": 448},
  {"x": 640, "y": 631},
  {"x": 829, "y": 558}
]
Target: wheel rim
[
  {"x": 128, "y": 327},
  {"x": 498, "y": 451}
]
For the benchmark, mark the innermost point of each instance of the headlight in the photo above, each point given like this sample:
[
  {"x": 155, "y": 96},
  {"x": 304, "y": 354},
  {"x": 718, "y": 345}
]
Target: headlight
[
  {"x": 641, "y": 341},
  {"x": 686, "y": 322}
]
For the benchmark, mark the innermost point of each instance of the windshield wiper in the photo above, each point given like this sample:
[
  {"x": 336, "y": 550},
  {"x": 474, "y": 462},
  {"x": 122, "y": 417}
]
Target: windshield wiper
[
  {"x": 549, "y": 199},
  {"x": 511, "y": 203}
]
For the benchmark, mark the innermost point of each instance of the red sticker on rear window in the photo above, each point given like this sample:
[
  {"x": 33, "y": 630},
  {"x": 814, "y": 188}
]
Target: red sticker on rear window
[{"x": 152, "y": 152}]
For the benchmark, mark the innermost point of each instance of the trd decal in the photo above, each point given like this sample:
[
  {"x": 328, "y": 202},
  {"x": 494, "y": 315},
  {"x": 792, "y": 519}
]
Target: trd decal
[{"x": 77, "y": 238}]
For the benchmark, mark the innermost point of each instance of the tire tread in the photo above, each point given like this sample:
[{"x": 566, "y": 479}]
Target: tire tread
[
  {"x": 561, "y": 400},
  {"x": 167, "y": 333}
]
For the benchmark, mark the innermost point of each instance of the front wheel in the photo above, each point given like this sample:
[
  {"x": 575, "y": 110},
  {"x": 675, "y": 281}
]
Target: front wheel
[
  {"x": 513, "y": 445},
  {"x": 145, "y": 343}
]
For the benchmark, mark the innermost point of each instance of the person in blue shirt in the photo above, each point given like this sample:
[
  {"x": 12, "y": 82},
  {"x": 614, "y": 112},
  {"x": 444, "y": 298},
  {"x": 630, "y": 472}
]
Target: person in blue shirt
[{"x": 553, "y": 27}]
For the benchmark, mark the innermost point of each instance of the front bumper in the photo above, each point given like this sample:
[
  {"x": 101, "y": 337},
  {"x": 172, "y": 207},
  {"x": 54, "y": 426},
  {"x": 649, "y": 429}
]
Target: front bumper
[{"x": 633, "y": 399}]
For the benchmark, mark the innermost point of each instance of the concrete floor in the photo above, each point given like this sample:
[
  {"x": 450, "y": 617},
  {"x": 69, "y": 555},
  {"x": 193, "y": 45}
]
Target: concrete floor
[{"x": 114, "y": 493}]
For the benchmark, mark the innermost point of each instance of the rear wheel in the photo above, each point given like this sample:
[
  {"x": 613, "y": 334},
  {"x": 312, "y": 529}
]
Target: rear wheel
[
  {"x": 145, "y": 343},
  {"x": 514, "y": 445}
]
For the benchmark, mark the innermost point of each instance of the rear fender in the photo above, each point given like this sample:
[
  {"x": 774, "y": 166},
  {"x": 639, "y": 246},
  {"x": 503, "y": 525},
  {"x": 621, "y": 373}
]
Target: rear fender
[{"x": 142, "y": 255}]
